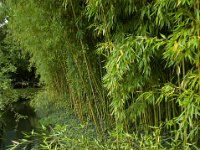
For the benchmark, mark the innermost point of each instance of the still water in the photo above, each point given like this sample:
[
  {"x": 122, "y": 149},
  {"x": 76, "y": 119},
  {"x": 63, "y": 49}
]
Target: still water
[{"x": 13, "y": 129}]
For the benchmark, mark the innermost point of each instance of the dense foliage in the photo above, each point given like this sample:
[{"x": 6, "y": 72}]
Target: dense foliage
[
  {"x": 126, "y": 65},
  {"x": 6, "y": 67}
]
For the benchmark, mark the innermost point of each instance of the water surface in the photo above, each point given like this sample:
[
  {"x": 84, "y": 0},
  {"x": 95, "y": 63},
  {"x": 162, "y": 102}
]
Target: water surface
[{"x": 15, "y": 126}]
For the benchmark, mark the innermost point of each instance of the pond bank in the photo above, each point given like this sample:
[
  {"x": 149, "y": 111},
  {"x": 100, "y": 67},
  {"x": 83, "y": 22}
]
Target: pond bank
[{"x": 18, "y": 119}]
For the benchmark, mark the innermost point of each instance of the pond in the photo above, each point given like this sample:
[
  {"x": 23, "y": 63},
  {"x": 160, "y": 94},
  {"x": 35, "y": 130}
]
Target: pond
[{"x": 14, "y": 128}]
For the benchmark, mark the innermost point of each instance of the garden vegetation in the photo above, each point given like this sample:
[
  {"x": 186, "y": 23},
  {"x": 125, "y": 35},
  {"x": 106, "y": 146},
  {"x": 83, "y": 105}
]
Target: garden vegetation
[{"x": 131, "y": 67}]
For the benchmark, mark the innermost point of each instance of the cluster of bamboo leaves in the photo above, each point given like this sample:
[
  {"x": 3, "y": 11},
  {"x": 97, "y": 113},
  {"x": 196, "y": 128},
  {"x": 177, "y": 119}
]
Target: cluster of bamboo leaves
[{"x": 124, "y": 64}]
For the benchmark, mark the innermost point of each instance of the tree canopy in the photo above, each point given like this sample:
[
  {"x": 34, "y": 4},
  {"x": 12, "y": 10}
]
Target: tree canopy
[{"x": 128, "y": 65}]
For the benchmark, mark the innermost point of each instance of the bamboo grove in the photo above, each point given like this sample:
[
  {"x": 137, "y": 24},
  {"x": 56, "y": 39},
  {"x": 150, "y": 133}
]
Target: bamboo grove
[{"x": 129, "y": 65}]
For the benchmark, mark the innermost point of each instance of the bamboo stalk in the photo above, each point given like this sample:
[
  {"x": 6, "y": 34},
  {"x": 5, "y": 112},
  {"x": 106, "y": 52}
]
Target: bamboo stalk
[{"x": 87, "y": 65}]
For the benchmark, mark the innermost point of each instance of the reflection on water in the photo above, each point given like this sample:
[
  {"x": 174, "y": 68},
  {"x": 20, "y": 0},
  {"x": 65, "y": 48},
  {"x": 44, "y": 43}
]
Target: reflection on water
[{"x": 13, "y": 129}]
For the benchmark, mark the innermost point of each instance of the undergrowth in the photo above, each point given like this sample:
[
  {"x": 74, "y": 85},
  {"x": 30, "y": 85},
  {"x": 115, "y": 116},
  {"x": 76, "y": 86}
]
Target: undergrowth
[{"x": 60, "y": 129}]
